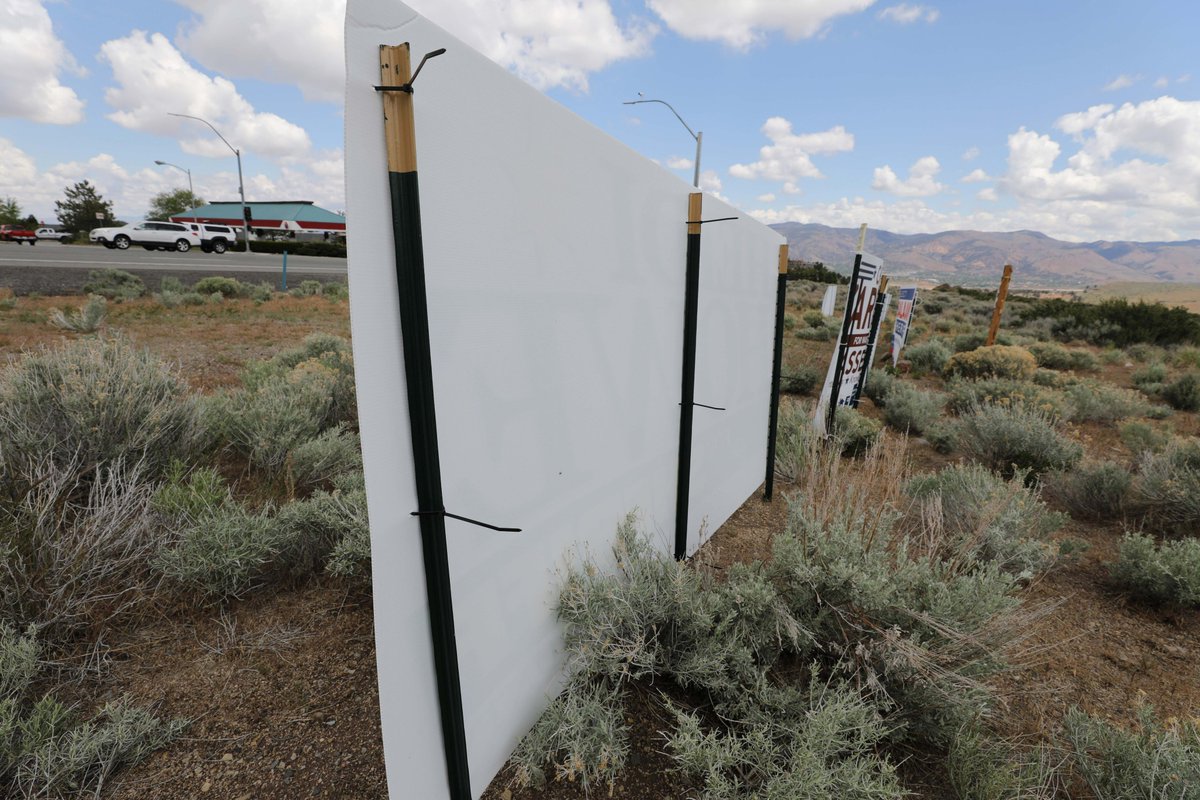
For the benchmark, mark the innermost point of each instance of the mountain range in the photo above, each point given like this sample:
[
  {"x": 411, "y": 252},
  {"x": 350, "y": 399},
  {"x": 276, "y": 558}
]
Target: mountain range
[{"x": 974, "y": 258}]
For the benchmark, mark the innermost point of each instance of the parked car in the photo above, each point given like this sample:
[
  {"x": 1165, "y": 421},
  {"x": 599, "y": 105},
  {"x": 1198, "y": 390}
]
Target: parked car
[
  {"x": 50, "y": 233},
  {"x": 17, "y": 233},
  {"x": 214, "y": 238},
  {"x": 150, "y": 235}
]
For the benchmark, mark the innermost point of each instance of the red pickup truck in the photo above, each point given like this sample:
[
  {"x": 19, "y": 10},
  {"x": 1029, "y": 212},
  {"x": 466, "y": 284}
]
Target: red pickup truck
[{"x": 17, "y": 233}]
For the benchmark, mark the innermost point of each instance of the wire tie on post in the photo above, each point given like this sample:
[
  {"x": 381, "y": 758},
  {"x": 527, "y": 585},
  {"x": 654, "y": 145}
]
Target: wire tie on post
[
  {"x": 705, "y": 221},
  {"x": 714, "y": 408},
  {"x": 445, "y": 513},
  {"x": 407, "y": 88}
]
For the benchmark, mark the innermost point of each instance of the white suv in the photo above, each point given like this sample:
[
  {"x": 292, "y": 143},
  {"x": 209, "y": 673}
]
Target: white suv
[
  {"x": 150, "y": 235},
  {"x": 214, "y": 238}
]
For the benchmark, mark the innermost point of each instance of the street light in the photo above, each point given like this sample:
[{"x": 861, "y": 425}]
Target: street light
[
  {"x": 241, "y": 188},
  {"x": 181, "y": 169},
  {"x": 697, "y": 136}
]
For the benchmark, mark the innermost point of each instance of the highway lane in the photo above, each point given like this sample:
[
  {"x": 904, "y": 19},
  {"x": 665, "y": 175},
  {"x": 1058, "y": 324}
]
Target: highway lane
[{"x": 51, "y": 255}]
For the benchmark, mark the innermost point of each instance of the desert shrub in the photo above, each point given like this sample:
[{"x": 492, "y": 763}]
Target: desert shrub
[
  {"x": 91, "y": 402},
  {"x": 75, "y": 557},
  {"x": 1167, "y": 488},
  {"x": 218, "y": 284},
  {"x": 1049, "y": 378},
  {"x": 1184, "y": 394},
  {"x": 1143, "y": 353},
  {"x": 114, "y": 284},
  {"x": 993, "y": 520},
  {"x": 87, "y": 319},
  {"x": 815, "y": 271},
  {"x": 930, "y": 356},
  {"x": 823, "y": 334},
  {"x": 223, "y": 553},
  {"x": 582, "y": 735},
  {"x": 825, "y": 748},
  {"x": 318, "y": 350},
  {"x": 335, "y": 290},
  {"x": 1099, "y": 402},
  {"x": 969, "y": 341},
  {"x": 1152, "y": 761},
  {"x": 1054, "y": 356},
  {"x": 351, "y": 553},
  {"x": 258, "y": 292},
  {"x": 795, "y": 440},
  {"x": 1187, "y": 357},
  {"x": 854, "y": 432},
  {"x": 943, "y": 435},
  {"x": 998, "y": 361},
  {"x": 983, "y": 769},
  {"x": 306, "y": 289},
  {"x": 813, "y": 318},
  {"x": 1117, "y": 322},
  {"x": 910, "y": 410},
  {"x": 966, "y": 395},
  {"x": 1013, "y": 439},
  {"x": 308, "y": 531},
  {"x": 298, "y": 248},
  {"x": 801, "y": 380},
  {"x": 323, "y": 458},
  {"x": 1150, "y": 379},
  {"x": 1093, "y": 490},
  {"x": 1169, "y": 572},
  {"x": 877, "y": 384},
  {"x": 1113, "y": 356},
  {"x": 189, "y": 496},
  {"x": 1141, "y": 437}
]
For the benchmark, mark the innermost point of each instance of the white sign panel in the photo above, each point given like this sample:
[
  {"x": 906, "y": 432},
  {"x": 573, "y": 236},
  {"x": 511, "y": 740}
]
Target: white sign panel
[
  {"x": 829, "y": 300},
  {"x": 904, "y": 310},
  {"x": 555, "y": 267}
]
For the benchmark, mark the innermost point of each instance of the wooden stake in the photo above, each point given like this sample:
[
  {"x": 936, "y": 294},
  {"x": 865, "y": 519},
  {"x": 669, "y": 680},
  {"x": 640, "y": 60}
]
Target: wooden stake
[
  {"x": 1000, "y": 296},
  {"x": 395, "y": 69},
  {"x": 783, "y": 259},
  {"x": 862, "y": 237}
]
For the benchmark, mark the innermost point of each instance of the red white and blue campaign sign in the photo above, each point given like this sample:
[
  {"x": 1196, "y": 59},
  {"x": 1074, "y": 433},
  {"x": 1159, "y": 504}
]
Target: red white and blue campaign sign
[{"x": 904, "y": 310}]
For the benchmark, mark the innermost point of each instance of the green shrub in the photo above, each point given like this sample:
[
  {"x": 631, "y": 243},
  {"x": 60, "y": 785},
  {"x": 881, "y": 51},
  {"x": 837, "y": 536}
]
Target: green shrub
[
  {"x": 1141, "y": 437},
  {"x": 813, "y": 318},
  {"x": 335, "y": 290},
  {"x": 801, "y": 380},
  {"x": 224, "y": 553},
  {"x": 1150, "y": 379},
  {"x": 92, "y": 402},
  {"x": 969, "y": 341},
  {"x": 854, "y": 432},
  {"x": 1153, "y": 761},
  {"x": 1117, "y": 322},
  {"x": 993, "y": 520},
  {"x": 930, "y": 356},
  {"x": 967, "y": 395},
  {"x": 910, "y": 410},
  {"x": 306, "y": 289},
  {"x": 980, "y": 769},
  {"x": 1054, "y": 356},
  {"x": 1049, "y": 378},
  {"x": 582, "y": 735},
  {"x": 114, "y": 284},
  {"x": 1093, "y": 490},
  {"x": 321, "y": 459},
  {"x": 190, "y": 496},
  {"x": 300, "y": 248},
  {"x": 218, "y": 284},
  {"x": 1187, "y": 357},
  {"x": 998, "y": 361},
  {"x": 259, "y": 292},
  {"x": 1009, "y": 440},
  {"x": 308, "y": 531},
  {"x": 351, "y": 553},
  {"x": 1169, "y": 572},
  {"x": 1184, "y": 394},
  {"x": 1113, "y": 356},
  {"x": 1167, "y": 488},
  {"x": 1100, "y": 402},
  {"x": 795, "y": 440},
  {"x": 877, "y": 384},
  {"x": 823, "y": 334},
  {"x": 1143, "y": 353},
  {"x": 87, "y": 319},
  {"x": 943, "y": 435}
]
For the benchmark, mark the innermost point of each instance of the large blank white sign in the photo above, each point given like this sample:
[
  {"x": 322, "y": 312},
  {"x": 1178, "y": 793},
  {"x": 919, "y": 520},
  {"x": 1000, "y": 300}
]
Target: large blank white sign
[{"x": 555, "y": 261}]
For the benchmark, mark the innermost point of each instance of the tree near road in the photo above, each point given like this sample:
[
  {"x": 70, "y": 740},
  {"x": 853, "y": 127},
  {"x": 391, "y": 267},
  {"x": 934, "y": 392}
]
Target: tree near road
[
  {"x": 165, "y": 205},
  {"x": 10, "y": 211},
  {"x": 77, "y": 211}
]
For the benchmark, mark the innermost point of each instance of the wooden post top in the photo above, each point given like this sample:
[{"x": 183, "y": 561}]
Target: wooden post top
[
  {"x": 695, "y": 203},
  {"x": 395, "y": 69},
  {"x": 783, "y": 259}
]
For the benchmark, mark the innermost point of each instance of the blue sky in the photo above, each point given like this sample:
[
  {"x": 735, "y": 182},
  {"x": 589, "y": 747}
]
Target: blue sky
[{"x": 1079, "y": 119}]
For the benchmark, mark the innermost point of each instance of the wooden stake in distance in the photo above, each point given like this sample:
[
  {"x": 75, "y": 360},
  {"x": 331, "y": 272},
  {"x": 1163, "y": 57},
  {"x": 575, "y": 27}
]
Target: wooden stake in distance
[
  {"x": 399, "y": 130},
  {"x": 1003, "y": 293},
  {"x": 776, "y": 370}
]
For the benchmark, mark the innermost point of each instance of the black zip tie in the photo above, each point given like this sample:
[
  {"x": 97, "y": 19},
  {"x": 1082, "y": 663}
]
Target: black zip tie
[
  {"x": 714, "y": 408},
  {"x": 445, "y": 513},
  {"x": 697, "y": 221},
  {"x": 407, "y": 88}
]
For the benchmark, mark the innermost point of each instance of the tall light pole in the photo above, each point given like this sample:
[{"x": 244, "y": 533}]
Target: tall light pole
[
  {"x": 181, "y": 169},
  {"x": 241, "y": 188},
  {"x": 699, "y": 137}
]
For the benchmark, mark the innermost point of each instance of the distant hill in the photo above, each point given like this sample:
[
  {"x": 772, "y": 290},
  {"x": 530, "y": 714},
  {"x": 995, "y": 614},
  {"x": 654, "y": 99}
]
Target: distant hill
[{"x": 973, "y": 258}]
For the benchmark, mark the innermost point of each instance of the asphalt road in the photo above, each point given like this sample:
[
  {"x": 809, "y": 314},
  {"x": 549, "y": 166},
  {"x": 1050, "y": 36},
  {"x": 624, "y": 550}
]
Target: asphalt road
[{"x": 52, "y": 255}]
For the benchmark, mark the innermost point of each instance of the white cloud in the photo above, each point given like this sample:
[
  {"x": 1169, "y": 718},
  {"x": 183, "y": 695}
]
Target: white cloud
[
  {"x": 1162, "y": 82},
  {"x": 1080, "y": 121},
  {"x": 921, "y": 182},
  {"x": 769, "y": 197},
  {"x": 905, "y": 14},
  {"x": 988, "y": 194},
  {"x": 1121, "y": 82},
  {"x": 976, "y": 176},
  {"x": 152, "y": 79},
  {"x": 547, "y": 42},
  {"x": 743, "y": 23},
  {"x": 789, "y": 156},
  {"x": 970, "y": 154},
  {"x": 31, "y": 60},
  {"x": 710, "y": 182},
  {"x": 678, "y": 162}
]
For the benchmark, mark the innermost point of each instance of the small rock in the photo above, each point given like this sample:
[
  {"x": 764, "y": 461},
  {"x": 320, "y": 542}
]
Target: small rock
[
  {"x": 227, "y": 757},
  {"x": 205, "y": 787}
]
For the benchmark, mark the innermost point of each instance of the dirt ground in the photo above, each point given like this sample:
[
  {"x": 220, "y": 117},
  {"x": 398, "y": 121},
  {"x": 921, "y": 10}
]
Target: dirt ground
[{"x": 280, "y": 688}]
